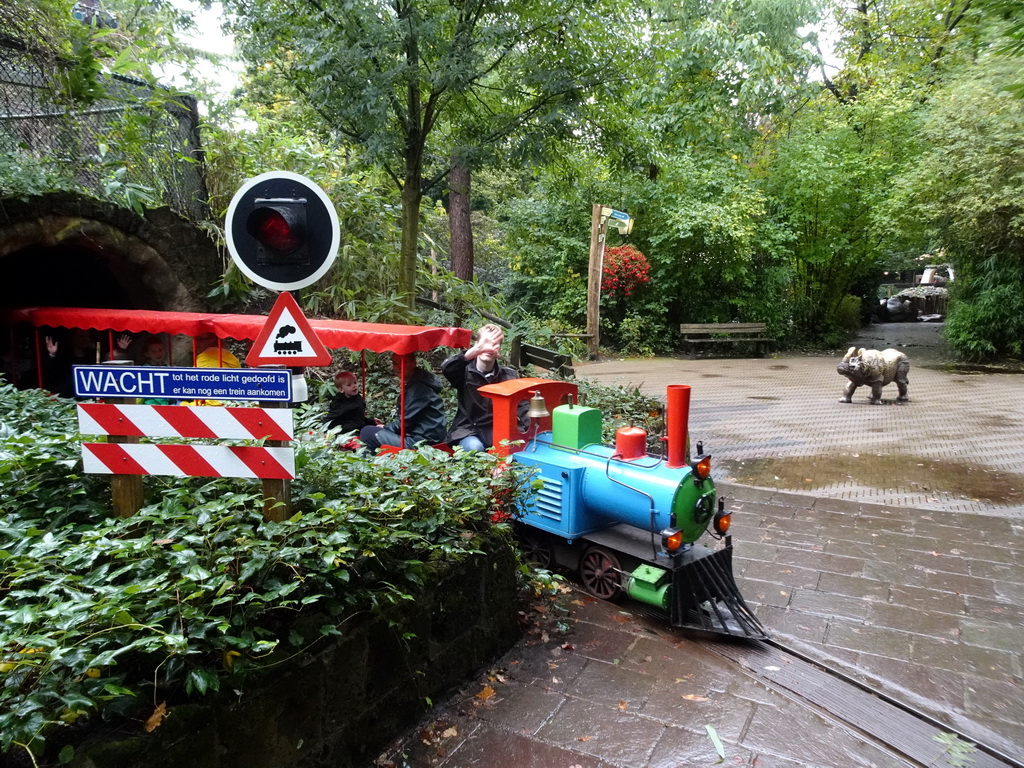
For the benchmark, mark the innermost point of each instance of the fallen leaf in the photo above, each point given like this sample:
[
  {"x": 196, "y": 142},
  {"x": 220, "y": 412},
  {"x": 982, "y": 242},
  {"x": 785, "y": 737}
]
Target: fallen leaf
[
  {"x": 450, "y": 733},
  {"x": 157, "y": 717},
  {"x": 540, "y": 608},
  {"x": 621, "y": 619},
  {"x": 623, "y": 706},
  {"x": 486, "y": 693},
  {"x": 694, "y": 697},
  {"x": 578, "y": 602},
  {"x": 584, "y": 738}
]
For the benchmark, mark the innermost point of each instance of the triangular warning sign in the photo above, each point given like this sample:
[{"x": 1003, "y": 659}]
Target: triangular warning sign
[{"x": 287, "y": 338}]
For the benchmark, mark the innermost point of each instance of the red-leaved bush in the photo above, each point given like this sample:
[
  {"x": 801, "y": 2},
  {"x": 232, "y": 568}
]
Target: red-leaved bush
[{"x": 625, "y": 269}]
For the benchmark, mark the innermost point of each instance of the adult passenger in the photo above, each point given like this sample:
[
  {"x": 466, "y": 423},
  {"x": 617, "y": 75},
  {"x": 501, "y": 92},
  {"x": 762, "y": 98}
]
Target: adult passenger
[
  {"x": 473, "y": 426},
  {"x": 424, "y": 410}
]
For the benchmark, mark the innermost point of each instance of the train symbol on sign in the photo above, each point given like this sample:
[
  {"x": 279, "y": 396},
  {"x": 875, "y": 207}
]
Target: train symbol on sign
[
  {"x": 287, "y": 347},
  {"x": 287, "y": 338}
]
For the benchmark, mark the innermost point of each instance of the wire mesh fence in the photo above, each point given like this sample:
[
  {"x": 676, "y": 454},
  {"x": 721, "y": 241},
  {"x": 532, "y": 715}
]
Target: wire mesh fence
[{"x": 133, "y": 144}]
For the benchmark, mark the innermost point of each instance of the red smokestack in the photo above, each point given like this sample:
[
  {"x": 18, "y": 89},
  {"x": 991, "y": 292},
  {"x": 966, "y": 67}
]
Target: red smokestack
[{"x": 678, "y": 418}]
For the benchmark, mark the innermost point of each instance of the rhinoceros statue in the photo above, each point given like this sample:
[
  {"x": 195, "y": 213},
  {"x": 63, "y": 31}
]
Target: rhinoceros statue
[{"x": 871, "y": 368}]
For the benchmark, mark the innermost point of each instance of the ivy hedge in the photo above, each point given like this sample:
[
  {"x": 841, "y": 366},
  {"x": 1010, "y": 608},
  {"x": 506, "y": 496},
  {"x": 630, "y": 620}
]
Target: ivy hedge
[{"x": 103, "y": 619}]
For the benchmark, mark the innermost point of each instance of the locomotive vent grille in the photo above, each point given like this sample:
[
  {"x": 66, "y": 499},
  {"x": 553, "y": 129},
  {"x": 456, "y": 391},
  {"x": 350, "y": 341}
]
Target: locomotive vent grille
[{"x": 548, "y": 501}]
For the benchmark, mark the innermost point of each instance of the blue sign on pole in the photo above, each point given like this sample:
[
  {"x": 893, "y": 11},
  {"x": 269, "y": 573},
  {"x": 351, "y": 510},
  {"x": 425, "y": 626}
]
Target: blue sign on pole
[{"x": 183, "y": 383}]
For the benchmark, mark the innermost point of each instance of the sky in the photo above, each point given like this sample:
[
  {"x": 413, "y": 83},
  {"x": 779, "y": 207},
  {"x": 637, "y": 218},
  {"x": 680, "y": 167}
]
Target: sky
[{"x": 208, "y": 36}]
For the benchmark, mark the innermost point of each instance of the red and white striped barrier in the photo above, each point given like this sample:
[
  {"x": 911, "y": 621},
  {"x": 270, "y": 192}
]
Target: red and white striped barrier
[
  {"x": 188, "y": 460},
  {"x": 201, "y": 421}
]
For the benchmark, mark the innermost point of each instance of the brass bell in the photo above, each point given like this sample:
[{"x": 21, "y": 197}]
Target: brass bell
[{"x": 538, "y": 409}]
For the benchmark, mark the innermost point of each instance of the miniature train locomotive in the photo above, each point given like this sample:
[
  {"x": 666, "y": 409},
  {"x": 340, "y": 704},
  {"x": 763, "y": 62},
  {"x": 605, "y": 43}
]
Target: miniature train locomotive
[{"x": 625, "y": 520}]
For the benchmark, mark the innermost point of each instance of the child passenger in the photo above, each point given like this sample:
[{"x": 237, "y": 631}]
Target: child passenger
[{"x": 347, "y": 410}]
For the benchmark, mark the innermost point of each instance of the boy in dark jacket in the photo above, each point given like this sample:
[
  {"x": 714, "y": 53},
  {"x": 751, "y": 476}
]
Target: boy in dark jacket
[
  {"x": 473, "y": 426},
  {"x": 347, "y": 410},
  {"x": 424, "y": 410}
]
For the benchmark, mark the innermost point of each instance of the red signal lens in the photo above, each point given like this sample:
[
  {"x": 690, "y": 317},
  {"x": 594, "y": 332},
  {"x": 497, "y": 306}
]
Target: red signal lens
[{"x": 272, "y": 229}]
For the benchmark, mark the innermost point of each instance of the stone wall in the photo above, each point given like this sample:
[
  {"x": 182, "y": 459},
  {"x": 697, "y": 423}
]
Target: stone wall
[
  {"x": 338, "y": 706},
  {"x": 158, "y": 261}
]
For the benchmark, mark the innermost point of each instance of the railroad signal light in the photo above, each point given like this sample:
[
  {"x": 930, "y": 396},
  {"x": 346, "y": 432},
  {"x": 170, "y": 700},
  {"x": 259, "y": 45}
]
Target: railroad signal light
[
  {"x": 278, "y": 225},
  {"x": 282, "y": 231}
]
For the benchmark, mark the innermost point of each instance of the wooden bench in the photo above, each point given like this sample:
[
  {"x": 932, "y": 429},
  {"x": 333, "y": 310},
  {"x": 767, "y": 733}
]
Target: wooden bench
[
  {"x": 695, "y": 334},
  {"x": 529, "y": 354}
]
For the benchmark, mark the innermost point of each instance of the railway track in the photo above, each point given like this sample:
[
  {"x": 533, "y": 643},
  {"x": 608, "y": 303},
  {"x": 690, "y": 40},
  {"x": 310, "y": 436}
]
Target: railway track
[{"x": 914, "y": 736}]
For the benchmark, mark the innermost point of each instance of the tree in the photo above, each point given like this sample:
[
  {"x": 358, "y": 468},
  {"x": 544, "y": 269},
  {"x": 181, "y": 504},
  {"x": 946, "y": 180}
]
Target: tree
[
  {"x": 830, "y": 167},
  {"x": 967, "y": 192},
  {"x": 459, "y": 216},
  {"x": 674, "y": 145},
  {"x": 411, "y": 81}
]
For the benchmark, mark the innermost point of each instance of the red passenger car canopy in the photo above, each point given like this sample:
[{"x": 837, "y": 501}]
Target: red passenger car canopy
[{"x": 336, "y": 334}]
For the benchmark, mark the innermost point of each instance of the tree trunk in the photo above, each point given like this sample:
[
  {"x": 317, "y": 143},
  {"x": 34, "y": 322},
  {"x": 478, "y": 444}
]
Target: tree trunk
[
  {"x": 459, "y": 222},
  {"x": 411, "y": 197}
]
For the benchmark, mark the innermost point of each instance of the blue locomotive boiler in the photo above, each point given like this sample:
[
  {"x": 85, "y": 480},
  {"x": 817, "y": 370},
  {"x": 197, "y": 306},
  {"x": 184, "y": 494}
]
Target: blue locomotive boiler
[{"x": 627, "y": 521}]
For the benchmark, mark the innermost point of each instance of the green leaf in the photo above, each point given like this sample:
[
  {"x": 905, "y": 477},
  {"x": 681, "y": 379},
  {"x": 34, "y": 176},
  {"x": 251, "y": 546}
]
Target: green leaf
[
  {"x": 201, "y": 681},
  {"x": 717, "y": 742}
]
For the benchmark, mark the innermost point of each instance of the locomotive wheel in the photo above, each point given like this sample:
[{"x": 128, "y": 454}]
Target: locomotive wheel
[
  {"x": 536, "y": 551},
  {"x": 600, "y": 573}
]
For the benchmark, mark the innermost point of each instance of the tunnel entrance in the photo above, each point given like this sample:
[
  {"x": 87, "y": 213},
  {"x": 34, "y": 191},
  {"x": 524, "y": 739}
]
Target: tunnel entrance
[
  {"x": 64, "y": 250},
  {"x": 60, "y": 276}
]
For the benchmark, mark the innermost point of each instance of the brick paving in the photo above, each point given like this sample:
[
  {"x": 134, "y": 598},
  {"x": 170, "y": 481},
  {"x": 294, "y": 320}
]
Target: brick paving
[
  {"x": 924, "y": 605},
  {"x": 885, "y": 541}
]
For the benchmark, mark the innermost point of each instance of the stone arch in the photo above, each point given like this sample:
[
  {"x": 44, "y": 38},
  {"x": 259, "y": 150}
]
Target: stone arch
[{"x": 66, "y": 250}]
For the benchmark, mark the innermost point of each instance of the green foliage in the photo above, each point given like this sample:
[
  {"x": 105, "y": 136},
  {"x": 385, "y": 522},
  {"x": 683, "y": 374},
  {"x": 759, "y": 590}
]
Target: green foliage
[
  {"x": 415, "y": 83},
  {"x": 828, "y": 179},
  {"x": 639, "y": 335},
  {"x": 957, "y": 752},
  {"x": 966, "y": 191},
  {"x": 104, "y": 618},
  {"x": 96, "y": 133}
]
